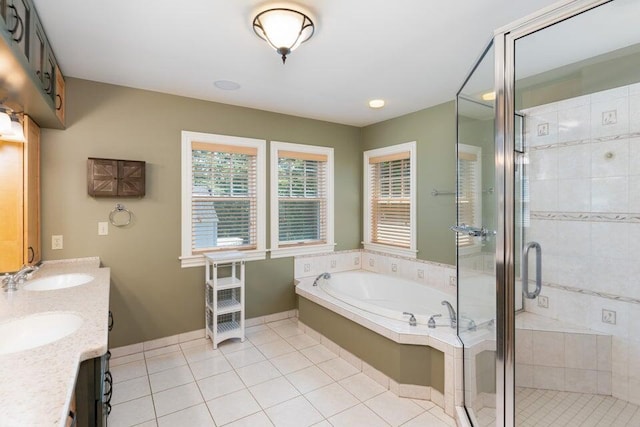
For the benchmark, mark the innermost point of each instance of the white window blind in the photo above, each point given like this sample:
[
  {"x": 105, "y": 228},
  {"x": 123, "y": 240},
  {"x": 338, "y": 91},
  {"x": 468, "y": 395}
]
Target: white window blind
[
  {"x": 302, "y": 198},
  {"x": 390, "y": 199},
  {"x": 469, "y": 209},
  {"x": 223, "y": 197}
]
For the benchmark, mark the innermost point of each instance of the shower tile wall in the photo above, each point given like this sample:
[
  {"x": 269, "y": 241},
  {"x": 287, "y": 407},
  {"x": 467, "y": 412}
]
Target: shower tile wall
[{"x": 584, "y": 186}]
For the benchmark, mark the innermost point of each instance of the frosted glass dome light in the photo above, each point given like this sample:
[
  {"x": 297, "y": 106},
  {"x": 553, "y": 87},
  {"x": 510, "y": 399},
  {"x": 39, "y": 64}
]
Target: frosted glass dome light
[{"x": 284, "y": 29}]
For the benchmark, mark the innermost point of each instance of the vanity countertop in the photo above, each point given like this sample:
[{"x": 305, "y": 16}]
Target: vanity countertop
[{"x": 36, "y": 385}]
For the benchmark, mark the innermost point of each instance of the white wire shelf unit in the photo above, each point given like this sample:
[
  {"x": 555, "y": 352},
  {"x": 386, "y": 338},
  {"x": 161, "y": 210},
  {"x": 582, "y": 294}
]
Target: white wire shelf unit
[{"x": 224, "y": 296}]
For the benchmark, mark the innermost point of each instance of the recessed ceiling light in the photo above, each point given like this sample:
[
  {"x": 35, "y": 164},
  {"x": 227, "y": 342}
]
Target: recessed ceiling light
[
  {"x": 226, "y": 85},
  {"x": 489, "y": 96},
  {"x": 376, "y": 103}
]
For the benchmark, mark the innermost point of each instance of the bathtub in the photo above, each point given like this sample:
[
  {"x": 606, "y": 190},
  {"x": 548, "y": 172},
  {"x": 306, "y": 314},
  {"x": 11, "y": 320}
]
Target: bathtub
[{"x": 387, "y": 296}]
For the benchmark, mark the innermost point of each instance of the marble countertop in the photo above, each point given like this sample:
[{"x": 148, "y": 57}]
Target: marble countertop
[{"x": 36, "y": 385}]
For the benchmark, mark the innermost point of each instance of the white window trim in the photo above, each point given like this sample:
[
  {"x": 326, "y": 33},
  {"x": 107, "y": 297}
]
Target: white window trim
[
  {"x": 188, "y": 259},
  {"x": 476, "y": 247},
  {"x": 392, "y": 149},
  {"x": 276, "y": 251}
]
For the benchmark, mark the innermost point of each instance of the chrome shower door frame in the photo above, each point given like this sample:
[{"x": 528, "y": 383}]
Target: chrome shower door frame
[{"x": 505, "y": 42}]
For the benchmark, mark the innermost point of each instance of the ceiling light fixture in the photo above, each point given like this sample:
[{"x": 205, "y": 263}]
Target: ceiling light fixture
[
  {"x": 489, "y": 96},
  {"x": 376, "y": 103},
  {"x": 284, "y": 29},
  {"x": 226, "y": 85}
]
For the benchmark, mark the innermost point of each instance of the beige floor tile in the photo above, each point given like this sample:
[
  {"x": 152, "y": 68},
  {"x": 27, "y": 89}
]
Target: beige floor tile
[
  {"x": 318, "y": 353},
  {"x": 245, "y": 357},
  {"x": 362, "y": 386},
  {"x": 309, "y": 379},
  {"x": 262, "y": 337},
  {"x": 162, "y": 350},
  {"x": 194, "y": 416},
  {"x": 358, "y": 416},
  {"x": 258, "y": 373},
  {"x": 231, "y": 346},
  {"x": 291, "y": 362},
  {"x": 219, "y": 385},
  {"x": 176, "y": 399},
  {"x": 259, "y": 419},
  {"x": 393, "y": 409},
  {"x": 209, "y": 367},
  {"x": 200, "y": 352},
  {"x": 338, "y": 368},
  {"x": 426, "y": 420},
  {"x": 288, "y": 330},
  {"x": 301, "y": 341},
  {"x": 170, "y": 378},
  {"x": 274, "y": 391},
  {"x": 195, "y": 343},
  {"x": 297, "y": 412},
  {"x": 231, "y": 407},
  {"x": 275, "y": 348},
  {"x": 165, "y": 361},
  {"x": 130, "y": 389},
  {"x": 132, "y": 412},
  {"x": 117, "y": 361},
  {"x": 129, "y": 371},
  {"x": 331, "y": 399}
]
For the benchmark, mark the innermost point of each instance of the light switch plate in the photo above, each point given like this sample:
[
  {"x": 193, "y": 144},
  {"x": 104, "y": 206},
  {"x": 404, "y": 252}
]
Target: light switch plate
[
  {"x": 103, "y": 228},
  {"x": 543, "y": 302},
  {"x": 57, "y": 242},
  {"x": 608, "y": 316}
]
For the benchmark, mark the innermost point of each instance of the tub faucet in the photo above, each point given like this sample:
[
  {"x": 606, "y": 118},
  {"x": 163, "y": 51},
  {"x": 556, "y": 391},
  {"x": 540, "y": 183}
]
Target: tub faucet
[
  {"x": 412, "y": 319},
  {"x": 452, "y": 313},
  {"x": 325, "y": 276},
  {"x": 11, "y": 281}
]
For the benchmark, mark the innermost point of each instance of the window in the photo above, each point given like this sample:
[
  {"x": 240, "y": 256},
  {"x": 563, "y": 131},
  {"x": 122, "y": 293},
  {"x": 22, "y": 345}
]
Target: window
[
  {"x": 469, "y": 192},
  {"x": 390, "y": 188},
  {"x": 223, "y": 196},
  {"x": 301, "y": 199}
]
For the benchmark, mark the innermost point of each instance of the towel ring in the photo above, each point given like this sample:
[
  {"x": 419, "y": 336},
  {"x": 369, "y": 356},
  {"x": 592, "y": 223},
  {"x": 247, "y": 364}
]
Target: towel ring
[{"x": 119, "y": 208}]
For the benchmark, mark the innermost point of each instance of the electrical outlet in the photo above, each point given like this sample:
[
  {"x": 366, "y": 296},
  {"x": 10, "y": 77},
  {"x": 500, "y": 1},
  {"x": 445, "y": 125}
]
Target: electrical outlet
[
  {"x": 543, "y": 129},
  {"x": 452, "y": 281},
  {"x": 57, "y": 242},
  {"x": 372, "y": 262},
  {"x": 356, "y": 261},
  {"x": 103, "y": 228},
  {"x": 394, "y": 268},
  {"x": 420, "y": 274},
  {"x": 610, "y": 117},
  {"x": 543, "y": 302},
  {"x": 334, "y": 263},
  {"x": 608, "y": 316},
  {"x": 307, "y": 268}
]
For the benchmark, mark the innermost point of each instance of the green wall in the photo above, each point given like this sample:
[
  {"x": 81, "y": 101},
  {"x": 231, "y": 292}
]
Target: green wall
[
  {"x": 151, "y": 295},
  {"x": 434, "y": 131}
]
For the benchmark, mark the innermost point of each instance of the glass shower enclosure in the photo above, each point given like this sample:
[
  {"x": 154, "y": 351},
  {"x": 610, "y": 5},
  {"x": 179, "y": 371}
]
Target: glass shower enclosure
[{"x": 548, "y": 230}]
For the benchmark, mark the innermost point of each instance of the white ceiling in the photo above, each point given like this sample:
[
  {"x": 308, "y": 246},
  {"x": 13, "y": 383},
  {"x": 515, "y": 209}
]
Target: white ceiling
[{"x": 412, "y": 53}]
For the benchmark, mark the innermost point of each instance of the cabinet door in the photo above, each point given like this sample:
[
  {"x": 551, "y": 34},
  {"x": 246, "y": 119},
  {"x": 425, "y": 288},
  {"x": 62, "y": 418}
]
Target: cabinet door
[
  {"x": 38, "y": 50},
  {"x": 18, "y": 19},
  {"x": 60, "y": 99},
  {"x": 131, "y": 177},
  {"x": 11, "y": 209},
  {"x": 3, "y": 14},
  {"x": 32, "y": 247},
  {"x": 48, "y": 74},
  {"x": 102, "y": 177}
]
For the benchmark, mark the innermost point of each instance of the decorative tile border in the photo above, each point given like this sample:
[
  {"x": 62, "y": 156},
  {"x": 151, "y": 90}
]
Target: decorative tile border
[
  {"x": 633, "y": 218},
  {"x": 592, "y": 293},
  {"x": 586, "y": 141}
]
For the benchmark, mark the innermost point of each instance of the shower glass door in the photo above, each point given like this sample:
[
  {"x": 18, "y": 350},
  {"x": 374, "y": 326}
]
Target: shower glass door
[
  {"x": 575, "y": 141},
  {"x": 476, "y": 223}
]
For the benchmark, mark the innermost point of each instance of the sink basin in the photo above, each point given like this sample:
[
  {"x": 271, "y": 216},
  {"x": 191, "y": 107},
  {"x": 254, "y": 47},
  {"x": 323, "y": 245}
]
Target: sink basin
[
  {"x": 59, "y": 281},
  {"x": 36, "y": 330}
]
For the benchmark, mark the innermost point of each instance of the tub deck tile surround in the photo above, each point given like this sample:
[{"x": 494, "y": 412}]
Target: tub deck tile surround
[
  {"x": 37, "y": 384},
  {"x": 302, "y": 393}
]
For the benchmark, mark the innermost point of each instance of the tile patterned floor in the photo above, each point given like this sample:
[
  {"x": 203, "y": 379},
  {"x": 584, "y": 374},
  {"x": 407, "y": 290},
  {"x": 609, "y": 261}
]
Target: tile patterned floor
[
  {"x": 547, "y": 408},
  {"x": 278, "y": 377}
]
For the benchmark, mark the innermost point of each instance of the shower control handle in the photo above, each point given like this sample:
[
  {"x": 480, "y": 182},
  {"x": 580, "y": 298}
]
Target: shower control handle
[
  {"x": 524, "y": 270},
  {"x": 412, "y": 319}
]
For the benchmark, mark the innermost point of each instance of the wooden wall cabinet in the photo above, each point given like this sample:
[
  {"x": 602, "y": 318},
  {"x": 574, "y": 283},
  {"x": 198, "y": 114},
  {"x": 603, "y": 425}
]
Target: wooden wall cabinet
[
  {"x": 20, "y": 200},
  {"x": 115, "y": 178}
]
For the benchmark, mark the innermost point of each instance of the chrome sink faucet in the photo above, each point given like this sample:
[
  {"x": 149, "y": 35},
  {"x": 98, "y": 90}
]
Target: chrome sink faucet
[
  {"x": 452, "y": 313},
  {"x": 11, "y": 281},
  {"x": 325, "y": 276}
]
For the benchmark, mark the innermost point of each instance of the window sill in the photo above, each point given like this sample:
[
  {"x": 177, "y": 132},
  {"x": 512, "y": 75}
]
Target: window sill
[
  {"x": 302, "y": 250},
  {"x": 392, "y": 250},
  {"x": 198, "y": 260}
]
